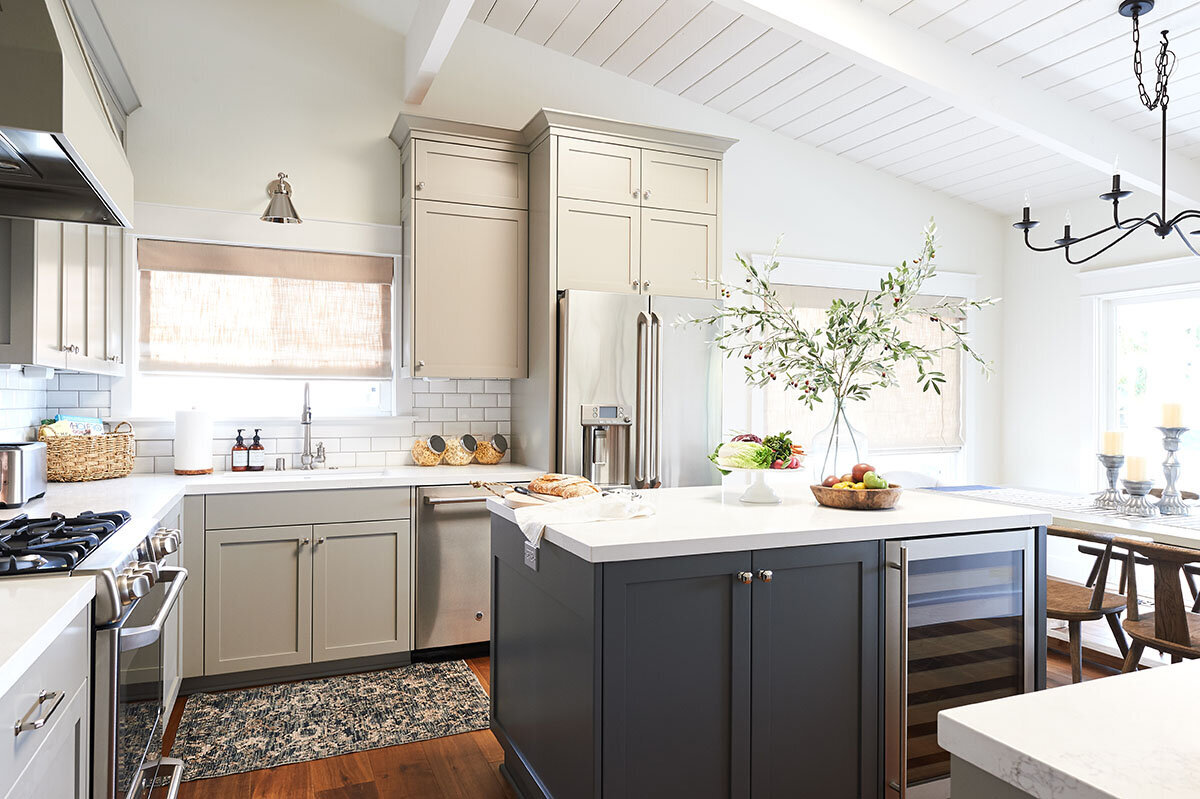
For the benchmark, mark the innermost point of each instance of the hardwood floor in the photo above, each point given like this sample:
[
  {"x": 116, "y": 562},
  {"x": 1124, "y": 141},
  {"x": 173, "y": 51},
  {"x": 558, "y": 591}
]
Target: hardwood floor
[{"x": 455, "y": 767}]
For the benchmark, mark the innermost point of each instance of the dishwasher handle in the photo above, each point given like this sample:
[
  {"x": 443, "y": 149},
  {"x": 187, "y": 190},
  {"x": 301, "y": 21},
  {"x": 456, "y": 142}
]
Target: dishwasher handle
[{"x": 433, "y": 502}]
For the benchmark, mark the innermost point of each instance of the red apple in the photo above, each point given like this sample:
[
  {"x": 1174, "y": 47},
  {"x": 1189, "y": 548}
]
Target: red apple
[
  {"x": 859, "y": 470},
  {"x": 847, "y": 478},
  {"x": 830, "y": 481}
]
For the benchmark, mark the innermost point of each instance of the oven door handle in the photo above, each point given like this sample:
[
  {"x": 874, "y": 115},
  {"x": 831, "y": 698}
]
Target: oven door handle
[{"x": 138, "y": 637}]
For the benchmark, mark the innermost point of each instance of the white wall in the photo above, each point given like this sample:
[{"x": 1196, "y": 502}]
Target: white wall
[
  {"x": 216, "y": 126},
  {"x": 1050, "y": 408}
]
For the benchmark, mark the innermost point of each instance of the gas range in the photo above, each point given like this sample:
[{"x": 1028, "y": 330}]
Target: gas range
[{"x": 55, "y": 544}]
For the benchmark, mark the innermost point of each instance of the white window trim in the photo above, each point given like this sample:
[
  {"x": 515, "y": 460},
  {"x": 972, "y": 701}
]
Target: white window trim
[
  {"x": 209, "y": 226},
  {"x": 847, "y": 276}
]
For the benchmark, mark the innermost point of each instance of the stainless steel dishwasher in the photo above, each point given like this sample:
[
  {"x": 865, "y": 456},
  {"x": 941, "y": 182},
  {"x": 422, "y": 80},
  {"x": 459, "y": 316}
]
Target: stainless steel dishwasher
[{"x": 453, "y": 573}]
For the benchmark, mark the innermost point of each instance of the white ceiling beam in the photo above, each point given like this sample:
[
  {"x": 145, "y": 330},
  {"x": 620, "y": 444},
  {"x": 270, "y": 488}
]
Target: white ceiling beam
[
  {"x": 859, "y": 33},
  {"x": 430, "y": 37}
]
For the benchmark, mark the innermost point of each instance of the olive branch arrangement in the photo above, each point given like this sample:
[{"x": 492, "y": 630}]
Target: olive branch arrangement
[{"x": 856, "y": 350}]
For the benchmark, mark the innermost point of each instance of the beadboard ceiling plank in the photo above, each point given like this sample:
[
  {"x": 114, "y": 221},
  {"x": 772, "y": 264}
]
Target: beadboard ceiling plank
[
  {"x": 966, "y": 16},
  {"x": 877, "y": 114},
  {"x": 888, "y": 125},
  {"x": 937, "y": 132},
  {"x": 541, "y": 22},
  {"x": 739, "y": 66},
  {"x": 584, "y": 18},
  {"x": 815, "y": 97},
  {"x": 771, "y": 73},
  {"x": 742, "y": 33},
  {"x": 845, "y": 103},
  {"x": 812, "y": 74},
  {"x": 695, "y": 34},
  {"x": 615, "y": 30},
  {"x": 922, "y": 12},
  {"x": 480, "y": 10},
  {"x": 989, "y": 162},
  {"x": 667, "y": 20},
  {"x": 507, "y": 15},
  {"x": 1040, "y": 32},
  {"x": 961, "y": 153}
]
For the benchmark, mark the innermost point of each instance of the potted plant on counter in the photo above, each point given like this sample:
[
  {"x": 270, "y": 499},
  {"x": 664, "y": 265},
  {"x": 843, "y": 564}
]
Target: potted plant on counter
[{"x": 855, "y": 350}]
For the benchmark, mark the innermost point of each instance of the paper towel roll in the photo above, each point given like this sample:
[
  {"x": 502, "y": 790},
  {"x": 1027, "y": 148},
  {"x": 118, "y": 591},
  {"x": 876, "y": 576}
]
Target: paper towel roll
[{"x": 193, "y": 442}]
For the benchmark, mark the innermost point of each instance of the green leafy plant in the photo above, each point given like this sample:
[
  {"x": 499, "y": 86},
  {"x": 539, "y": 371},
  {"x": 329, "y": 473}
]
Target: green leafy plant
[{"x": 856, "y": 349}]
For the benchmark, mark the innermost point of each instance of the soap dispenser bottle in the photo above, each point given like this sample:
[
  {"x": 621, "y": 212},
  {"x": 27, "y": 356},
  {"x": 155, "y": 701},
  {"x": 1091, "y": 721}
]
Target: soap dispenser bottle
[
  {"x": 257, "y": 454},
  {"x": 241, "y": 454}
]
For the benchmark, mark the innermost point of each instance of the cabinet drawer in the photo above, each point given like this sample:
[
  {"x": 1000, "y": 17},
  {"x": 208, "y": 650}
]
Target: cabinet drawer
[
  {"x": 64, "y": 667},
  {"x": 460, "y": 173},
  {"x": 277, "y": 508}
]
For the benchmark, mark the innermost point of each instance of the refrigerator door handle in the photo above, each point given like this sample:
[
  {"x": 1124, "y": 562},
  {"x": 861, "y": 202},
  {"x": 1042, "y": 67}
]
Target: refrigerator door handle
[
  {"x": 640, "y": 417},
  {"x": 655, "y": 432},
  {"x": 899, "y": 781}
]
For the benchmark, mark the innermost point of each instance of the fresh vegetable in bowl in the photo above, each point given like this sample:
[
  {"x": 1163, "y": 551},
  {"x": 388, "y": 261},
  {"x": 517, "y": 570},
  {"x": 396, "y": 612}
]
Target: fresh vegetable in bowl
[
  {"x": 780, "y": 445},
  {"x": 748, "y": 437},
  {"x": 742, "y": 455}
]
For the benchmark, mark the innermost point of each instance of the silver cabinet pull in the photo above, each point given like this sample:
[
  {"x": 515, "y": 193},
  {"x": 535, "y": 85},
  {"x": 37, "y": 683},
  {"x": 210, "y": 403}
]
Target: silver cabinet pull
[
  {"x": 420, "y": 185},
  {"x": 29, "y": 724},
  {"x": 766, "y": 575},
  {"x": 745, "y": 577},
  {"x": 646, "y": 194},
  {"x": 899, "y": 783},
  {"x": 433, "y": 503}
]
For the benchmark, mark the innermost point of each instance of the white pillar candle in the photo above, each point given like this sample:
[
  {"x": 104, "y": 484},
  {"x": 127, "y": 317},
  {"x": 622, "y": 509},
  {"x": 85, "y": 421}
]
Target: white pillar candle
[
  {"x": 1172, "y": 414},
  {"x": 1135, "y": 468},
  {"x": 1114, "y": 443}
]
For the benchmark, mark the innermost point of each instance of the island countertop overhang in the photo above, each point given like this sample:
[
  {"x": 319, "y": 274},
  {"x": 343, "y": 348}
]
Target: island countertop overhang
[{"x": 710, "y": 519}]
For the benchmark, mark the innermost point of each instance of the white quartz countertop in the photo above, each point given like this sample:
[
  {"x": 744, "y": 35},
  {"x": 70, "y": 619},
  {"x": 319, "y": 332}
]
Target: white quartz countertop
[
  {"x": 706, "y": 519},
  {"x": 33, "y": 612},
  {"x": 1129, "y": 736}
]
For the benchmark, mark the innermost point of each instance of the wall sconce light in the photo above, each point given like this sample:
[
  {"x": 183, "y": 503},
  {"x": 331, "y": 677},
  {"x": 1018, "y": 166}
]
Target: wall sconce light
[{"x": 280, "y": 208}]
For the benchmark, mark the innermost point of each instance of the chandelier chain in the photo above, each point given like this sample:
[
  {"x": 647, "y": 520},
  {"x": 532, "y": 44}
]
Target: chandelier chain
[{"x": 1164, "y": 65}]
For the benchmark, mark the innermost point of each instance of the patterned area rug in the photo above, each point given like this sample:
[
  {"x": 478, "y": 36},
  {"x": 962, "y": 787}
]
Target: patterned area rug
[{"x": 229, "y": 732}]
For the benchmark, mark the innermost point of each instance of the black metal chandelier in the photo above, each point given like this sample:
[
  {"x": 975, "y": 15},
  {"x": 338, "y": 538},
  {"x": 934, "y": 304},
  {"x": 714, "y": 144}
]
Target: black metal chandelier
[{"x": 1164, "y": 65}]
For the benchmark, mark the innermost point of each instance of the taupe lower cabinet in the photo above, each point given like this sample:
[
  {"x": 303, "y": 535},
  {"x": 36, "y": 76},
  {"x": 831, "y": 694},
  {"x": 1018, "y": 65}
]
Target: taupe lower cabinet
[
  {"x": 66, "y": 305},
  {"x": 288, "y": 596}
]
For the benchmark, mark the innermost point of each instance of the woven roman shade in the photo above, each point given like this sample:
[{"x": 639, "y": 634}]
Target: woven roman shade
[
  {"x": 900, "y": 418},
  {"x": 226, "y": 309}
]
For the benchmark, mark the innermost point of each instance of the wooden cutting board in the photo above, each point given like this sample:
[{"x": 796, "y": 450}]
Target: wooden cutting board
[{"x": 514, "y": 499}]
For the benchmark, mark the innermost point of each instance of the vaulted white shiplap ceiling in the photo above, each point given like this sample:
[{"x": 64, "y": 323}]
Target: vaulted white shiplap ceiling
[{"x": 1078, "y": 52}]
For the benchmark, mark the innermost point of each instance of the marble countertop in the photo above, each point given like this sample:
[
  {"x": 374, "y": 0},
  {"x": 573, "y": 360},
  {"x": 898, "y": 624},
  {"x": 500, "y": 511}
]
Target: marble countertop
[
  {"x": 705, "y": 519},
  {"x": 33, "y": 612},
  {"x": 1129, "y": 736}
]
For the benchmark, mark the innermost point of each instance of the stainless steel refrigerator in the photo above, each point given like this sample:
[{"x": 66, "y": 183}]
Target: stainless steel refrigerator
[{"x": 639, "y": 393}]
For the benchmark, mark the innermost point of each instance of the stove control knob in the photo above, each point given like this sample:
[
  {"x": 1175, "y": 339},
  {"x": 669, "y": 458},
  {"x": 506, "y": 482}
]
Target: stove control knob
[
  {"x": 163, "y": 543},
  {"x": 148, "y": 568},
  {"x": 131, "y": 586}
]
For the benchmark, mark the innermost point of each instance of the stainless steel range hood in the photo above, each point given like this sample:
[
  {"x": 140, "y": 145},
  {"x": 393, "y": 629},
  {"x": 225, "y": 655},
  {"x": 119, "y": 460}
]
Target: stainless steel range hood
[{"x": 60, "y": 154}]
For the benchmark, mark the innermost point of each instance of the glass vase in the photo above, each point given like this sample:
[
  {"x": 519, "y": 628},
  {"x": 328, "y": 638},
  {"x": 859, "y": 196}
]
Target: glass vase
[{"x": 838, "y": 447}]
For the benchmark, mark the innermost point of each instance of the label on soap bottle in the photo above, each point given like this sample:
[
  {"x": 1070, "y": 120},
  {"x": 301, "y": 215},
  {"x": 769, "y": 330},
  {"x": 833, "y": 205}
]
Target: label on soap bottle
[
  {"x": 258, "y": 458},
  {"x": 240, "y": 459}
]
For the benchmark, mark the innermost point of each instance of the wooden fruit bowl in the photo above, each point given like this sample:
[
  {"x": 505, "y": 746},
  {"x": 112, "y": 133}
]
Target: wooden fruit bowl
[{"x": 864, "y": 499}]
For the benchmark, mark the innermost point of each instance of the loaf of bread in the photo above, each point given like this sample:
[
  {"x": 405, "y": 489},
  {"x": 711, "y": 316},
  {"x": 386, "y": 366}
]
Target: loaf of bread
[{"x": 563, "y": 485}]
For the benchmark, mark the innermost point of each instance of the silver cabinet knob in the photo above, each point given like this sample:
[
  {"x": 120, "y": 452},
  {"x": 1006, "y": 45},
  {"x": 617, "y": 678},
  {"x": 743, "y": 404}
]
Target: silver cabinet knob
[
  {"x": 320, "y": 540},
  {"x": 420, "y": 185},
  {"x": 765, "y": 575},
  {"x": 479, "y": 615},
  {"x": 304, "y": 542},
  {"x": 420, "y": 364},
  {"x": 635, "y": 194},
  {"x": 635, "y": 285},
  {"x": 646, "y": 194},
  {"x": 646, "y": 284},
  {"x": 745, "y": 577}
]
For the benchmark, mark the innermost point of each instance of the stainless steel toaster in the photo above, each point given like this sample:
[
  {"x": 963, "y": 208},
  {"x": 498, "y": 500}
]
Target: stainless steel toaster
[{"x": 22, "y": 473}]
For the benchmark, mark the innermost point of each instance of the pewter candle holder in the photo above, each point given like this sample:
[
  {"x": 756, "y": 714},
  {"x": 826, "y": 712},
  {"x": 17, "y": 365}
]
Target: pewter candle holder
[
  {"x": 1111, "y": 498},
  {"x": 1136, "y": 504},
  {"x": 1172, "y": 503}
]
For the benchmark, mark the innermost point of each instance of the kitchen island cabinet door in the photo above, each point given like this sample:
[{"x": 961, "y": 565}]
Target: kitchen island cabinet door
[
  {"x": 676, "y": 647},
  {"x": 815, "y": 671},
  {"x": 257, "y": 598},
  {"x": 361, "y": 589}
]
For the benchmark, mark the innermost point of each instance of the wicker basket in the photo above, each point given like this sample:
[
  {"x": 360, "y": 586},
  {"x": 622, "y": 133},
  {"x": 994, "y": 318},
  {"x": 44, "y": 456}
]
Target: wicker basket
[{"x": 74, "y": 459}]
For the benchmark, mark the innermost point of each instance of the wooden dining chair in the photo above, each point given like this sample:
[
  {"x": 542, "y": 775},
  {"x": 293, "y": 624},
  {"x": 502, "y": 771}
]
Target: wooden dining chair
[
  {"x": 1170, "y": 629},
  {"x": 1075, "y": 603}
]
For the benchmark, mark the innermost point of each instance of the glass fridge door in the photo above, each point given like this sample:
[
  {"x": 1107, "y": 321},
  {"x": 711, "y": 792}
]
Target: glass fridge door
[{"x": 960, "y": 630}]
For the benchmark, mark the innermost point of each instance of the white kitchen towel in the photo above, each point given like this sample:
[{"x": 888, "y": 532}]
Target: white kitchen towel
[{"x": 594, "y": 508}]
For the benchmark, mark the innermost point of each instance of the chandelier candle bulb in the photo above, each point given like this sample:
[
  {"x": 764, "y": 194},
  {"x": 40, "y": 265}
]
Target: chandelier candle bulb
[
  {"x": 1113, "y": 444},
  {"x": 1135, "y": 468},
  {"x": 1172, "y": 414}
]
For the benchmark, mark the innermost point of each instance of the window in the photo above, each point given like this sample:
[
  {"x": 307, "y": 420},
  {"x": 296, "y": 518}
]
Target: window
[
  {"x": 238, "y": 330},
  {"x": 1153, "y": 358},
  {"x": 898, "y": 419}
]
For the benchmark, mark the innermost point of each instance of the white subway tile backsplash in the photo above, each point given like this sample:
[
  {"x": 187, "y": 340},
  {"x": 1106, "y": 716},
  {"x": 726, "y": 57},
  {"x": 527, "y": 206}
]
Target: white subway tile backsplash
[
  {"x": 496, "y": 386},
  {"x": 63, "y": 399},
  {"x": 470, "y": 414},
  {"x": 427, "y": 400},
  {"x": 152, "y": 448},
  {"x": 496, "y": 414},
  {"x": 97, "y": 398},
  {"x": 456, "y": 400},
  {"x": 73, "y": 382},
  {"x": 441, "y": 414},
  {"x": 369, "y": 458},
  {"x": 428, "y": 428},
  {"x": 483, "y": 400},
  {"x": 354, "y": 445},
  {"x": 384, "y": 443},
  {"x": 470, "y": 387}
]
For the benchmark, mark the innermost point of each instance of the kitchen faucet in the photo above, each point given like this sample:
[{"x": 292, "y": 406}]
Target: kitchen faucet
[{"x": 306, "y": 457}]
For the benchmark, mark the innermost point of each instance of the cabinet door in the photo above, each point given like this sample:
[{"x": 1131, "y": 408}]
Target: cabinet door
[
  {"x": 815, "y": 671},
  {"x": 470, "y": 291},
  {"x": 678, "y": 251},
  {"x": 361, "y": 589},
  {"x": 257, "y": 598},
  {"x": 459, "y": 173},
  {"x": 49, "y": 334},
  {"x": 589, "y": 170},
  {"x": 75, "y": 279},
  {"x": 676, "y": 646},
  {"x": 61, "y": 769},
  {"x": 114, "y": 314},
  {"x": 599, "y": 246},
  {"x": 679, "y": 182}
]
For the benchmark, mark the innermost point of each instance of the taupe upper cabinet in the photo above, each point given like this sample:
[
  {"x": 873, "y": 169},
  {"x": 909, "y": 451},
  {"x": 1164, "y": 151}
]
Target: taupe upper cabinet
[
  {"x": 614, "y": 173},
  {"x": 66, "y": 307},
  {"x": 466, "y": 249},
  {"x": 678, "y": 253}
]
